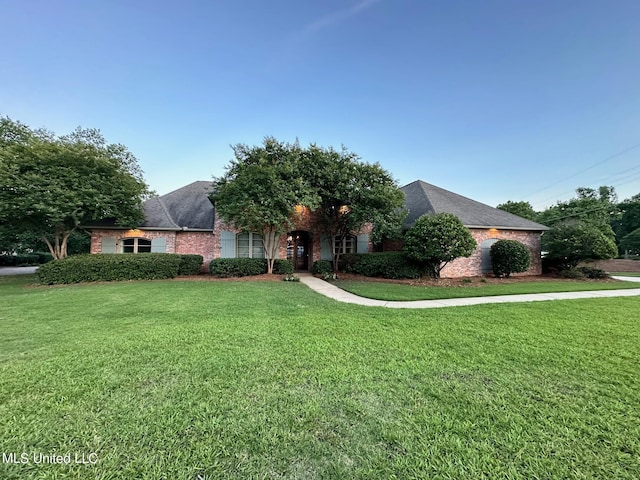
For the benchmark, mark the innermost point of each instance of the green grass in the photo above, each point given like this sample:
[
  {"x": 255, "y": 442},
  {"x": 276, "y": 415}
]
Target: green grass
[
  {"x": 179, "y": 379},
  {"x": 403, "y": 292}
]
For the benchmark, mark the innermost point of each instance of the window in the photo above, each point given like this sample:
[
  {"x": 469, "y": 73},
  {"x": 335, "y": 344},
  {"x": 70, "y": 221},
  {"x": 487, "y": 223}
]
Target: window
[
  {"x": 347, "y": 245},
  {"x": 136, "y": 245},
  {"x": 249, "y": 245}
]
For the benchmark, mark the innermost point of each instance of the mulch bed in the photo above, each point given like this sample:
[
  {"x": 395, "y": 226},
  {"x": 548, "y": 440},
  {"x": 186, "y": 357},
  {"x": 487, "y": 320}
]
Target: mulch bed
[{"x": 422, "y": 282}]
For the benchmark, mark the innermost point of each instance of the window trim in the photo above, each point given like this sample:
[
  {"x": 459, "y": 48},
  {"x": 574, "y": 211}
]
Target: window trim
[
  {"x": 251, "y": 245},
  {"x": 136, "y": 244},
  {"x": 348, "y": 245}
]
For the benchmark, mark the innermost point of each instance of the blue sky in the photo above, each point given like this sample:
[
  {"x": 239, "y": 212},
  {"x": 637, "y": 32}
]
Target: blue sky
[{"x": 494, "y": 100}]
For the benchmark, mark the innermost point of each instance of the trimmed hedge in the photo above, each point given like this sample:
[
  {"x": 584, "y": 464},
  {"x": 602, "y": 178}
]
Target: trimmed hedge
[
  {"x": 384, "y": 264},
  {"x": 109, "y": 267},
  {"x": 190, "y": 264},
  {"x": 509, "y": 256},
  {"x": 237, "y": 267},
  {"x": 243, "y": 267},
  {"x": 21, "y": 260}
]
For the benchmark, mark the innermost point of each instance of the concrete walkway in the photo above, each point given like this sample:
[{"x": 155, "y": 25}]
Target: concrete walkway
[{"x": 329, "y": 290}]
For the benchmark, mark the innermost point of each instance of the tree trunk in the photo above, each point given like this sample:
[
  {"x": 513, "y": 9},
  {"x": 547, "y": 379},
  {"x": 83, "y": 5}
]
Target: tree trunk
[
  {"x": 271, "y": 243},
  {"x": 58, "y": 248}
]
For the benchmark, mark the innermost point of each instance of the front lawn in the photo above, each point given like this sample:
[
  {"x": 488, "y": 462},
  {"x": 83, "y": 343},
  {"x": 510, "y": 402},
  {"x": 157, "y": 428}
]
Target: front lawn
[
  {"x": 192, "y": 379},
  {"x": 403, "y": 292}
]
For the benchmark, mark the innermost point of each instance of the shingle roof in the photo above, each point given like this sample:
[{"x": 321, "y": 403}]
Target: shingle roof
[
  {"x": 423, "y": 198},
  {"x": 188, "y": 207}
]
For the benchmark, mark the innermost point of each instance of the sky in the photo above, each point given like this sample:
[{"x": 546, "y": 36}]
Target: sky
[{"x": 494, "y": 100}]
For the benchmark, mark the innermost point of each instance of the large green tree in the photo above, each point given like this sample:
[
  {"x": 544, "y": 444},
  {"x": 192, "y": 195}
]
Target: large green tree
[
  {"x": 630, "y": 243},
  {"x": 435, "y": 240},
  {"x": 594, "y": 207},
  {"x": 352, "y": 194},
  {"x": 51, "y": 185},
  {"x": 572, "y": 241},
  {"x": 629, "y": 219},
  {"x": 260, "y": 190},
  {"x": 522, "y": 209}
]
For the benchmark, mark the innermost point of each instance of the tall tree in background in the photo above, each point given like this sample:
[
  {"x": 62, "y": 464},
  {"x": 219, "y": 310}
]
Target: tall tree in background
[
  {"x": 629, "y": 219},
  {"x": 522, "y": 209},
  {"x": 260, "y": 190},
  {"x": 352, "y": 194},
  {"x": 593, "y": 207},
  {"x": 50, "y": 185}
]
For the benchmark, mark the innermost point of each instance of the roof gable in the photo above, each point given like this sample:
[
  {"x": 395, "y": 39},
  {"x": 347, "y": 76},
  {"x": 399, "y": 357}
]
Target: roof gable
[
  {"x": 187, "y": 207},
  {"x": 423, "y": 198}
]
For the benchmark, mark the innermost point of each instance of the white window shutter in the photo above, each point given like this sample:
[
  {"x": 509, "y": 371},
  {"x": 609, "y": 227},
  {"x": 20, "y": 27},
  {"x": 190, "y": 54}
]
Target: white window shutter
[
  {"x": 363, "y": 243},
  {"x": 227, "y": 244},
  {"x": 108, "y": 245},
  {"x": 159, "y": 245},
  {"x": 326, "y": 248}
]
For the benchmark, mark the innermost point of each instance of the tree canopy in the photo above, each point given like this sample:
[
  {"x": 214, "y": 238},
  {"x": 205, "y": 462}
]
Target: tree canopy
[
  {"x": 594, "y": 207},
  {"x": 572, "y": 241},
  {"x": 260, "y": 190},
  {"x": 263, "y": 185},
  {"x": 522, "y": 209},
  {"x": 352, "y": 194},
  {"x": 51, "y": 185}
]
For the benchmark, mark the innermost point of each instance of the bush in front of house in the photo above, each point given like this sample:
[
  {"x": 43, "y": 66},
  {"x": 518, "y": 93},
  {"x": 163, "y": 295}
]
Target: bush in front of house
[
  {"x": 322, "y": 267},
  {"x": 243, "y": 267},
  {"x": 282, "y": 267},
  {"x": 509, "y": 256},
  {"x": 391, "y": 265},
  {"x": 435, "y": 240},
  {"x": 237, "y": 267},
  {"x": 109, "y": 267},
  {"x": 190, "y": 264}
]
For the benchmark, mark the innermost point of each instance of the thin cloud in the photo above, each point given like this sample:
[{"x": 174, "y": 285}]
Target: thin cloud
[{"x": 339, "y": 16}]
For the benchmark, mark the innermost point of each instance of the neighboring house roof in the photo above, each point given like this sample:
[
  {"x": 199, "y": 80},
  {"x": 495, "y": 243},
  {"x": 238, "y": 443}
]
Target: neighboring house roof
[
  {"x": 187, "y": 208},
  {"x": 423, "y": 198}
]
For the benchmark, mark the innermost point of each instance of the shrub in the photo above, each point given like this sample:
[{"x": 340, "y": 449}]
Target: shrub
[
  {"x": 435, "y": 240},
  {"x": 44, "y": 257},
  {"x": 109, "y": 267},
  {"x": 385, "y": 264},
  {"x": 282, "y": 267},
  {"x": 322, "y": 267},
  {"x": 237, "y": 267},
  {"x": 591, "y": 272},
  {"x": 509, "y": 256},
  {"x": 20, "y": 260},
  {"x": 190, "y": 264},
  {"x": 572, "y": 241},
  {"x": 573, "y": 273}
]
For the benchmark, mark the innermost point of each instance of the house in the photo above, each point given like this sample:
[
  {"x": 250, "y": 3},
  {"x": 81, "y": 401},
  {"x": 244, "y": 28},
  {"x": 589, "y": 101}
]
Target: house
[
  {"x": 184, "y": 221},
  {"x": 487, "y": 226}
]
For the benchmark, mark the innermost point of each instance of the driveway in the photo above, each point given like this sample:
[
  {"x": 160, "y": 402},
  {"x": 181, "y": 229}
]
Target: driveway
[{"x": 17, "y": 270}]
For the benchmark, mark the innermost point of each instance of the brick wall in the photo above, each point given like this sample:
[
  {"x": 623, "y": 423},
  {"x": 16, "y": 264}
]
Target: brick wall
[
  {"x": 472, "y": 266},
  {"x": 303, "y": 220},
  {"x": 198, "y": 243},
  {"x": 119, "y": 235}
]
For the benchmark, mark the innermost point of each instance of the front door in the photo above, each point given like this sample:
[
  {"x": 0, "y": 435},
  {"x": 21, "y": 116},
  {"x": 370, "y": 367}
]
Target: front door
[{"x": 298, "y": 250}]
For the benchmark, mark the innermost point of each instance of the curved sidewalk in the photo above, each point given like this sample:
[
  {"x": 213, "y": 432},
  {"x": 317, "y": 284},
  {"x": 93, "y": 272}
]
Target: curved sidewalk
[{"x": 329, "y": 290}]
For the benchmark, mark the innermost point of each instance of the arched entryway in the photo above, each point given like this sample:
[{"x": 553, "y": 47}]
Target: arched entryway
[
  {"x": 486, "y": 255},
  {"x": 299, "y": 249}
]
